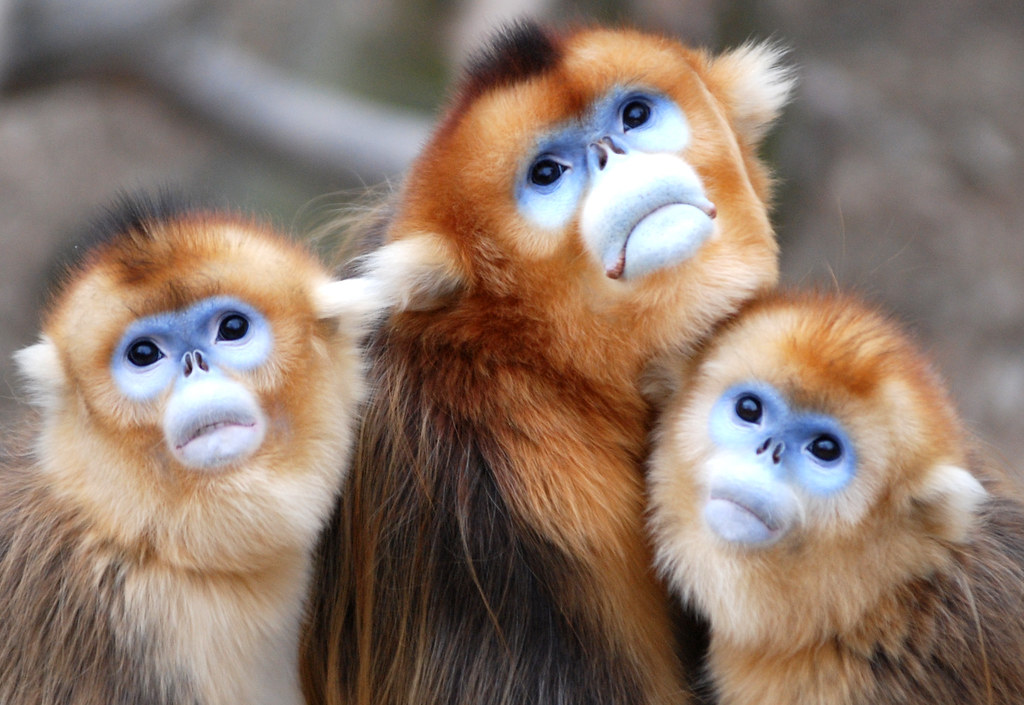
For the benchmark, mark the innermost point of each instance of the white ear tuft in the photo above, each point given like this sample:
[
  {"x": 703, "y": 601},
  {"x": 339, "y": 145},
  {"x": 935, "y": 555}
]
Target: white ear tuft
[
  {"x": 952, "y": 497},
  {"x": 417, "y": 273},
  {"x": 358, "y": 301},
  {"x": 41, "y": 370},
  {"x": 756, "y": 86}
]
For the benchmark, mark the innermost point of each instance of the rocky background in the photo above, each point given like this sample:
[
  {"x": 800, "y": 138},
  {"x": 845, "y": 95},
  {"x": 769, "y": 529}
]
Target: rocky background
[{"x": 900, "y": 160}]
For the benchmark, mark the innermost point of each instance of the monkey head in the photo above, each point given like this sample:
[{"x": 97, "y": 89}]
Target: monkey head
[
  {"x": 600, "y": 176},
  {"x": 813, "y": 460},
  {"x": 195, "y": 369}
]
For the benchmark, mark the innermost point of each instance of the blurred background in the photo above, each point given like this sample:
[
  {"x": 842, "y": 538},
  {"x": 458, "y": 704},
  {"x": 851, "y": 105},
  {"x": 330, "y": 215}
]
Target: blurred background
[{"x": 900, "y": 160}]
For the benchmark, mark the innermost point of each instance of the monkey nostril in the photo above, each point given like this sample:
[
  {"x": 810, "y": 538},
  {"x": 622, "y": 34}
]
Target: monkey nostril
[
  {"x": 764, "y": 446},
  {"x": 612, "y": 145},
  {"x": 194, "y": 360},
  {"x": 599, "y": 154},
  {"x": 777, "y": 452}
]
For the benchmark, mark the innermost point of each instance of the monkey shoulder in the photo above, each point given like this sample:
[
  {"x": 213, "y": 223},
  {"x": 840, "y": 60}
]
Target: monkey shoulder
[{"x": 963, "y": 639}]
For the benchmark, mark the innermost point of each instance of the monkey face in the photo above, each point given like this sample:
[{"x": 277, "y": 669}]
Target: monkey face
[
  {"x": 770, "y": 460},
  {"x": 640, "y": 206},
  {"x": 190, "y": 356},
  {"x": 198, "y": 380},
  {"x": 203, "y": 344},
  {"x": 611, "y": 170},
  {"x": 812, "y": 457}
]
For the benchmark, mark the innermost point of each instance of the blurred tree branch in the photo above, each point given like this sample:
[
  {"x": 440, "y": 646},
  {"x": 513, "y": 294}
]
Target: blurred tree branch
[{"x": 168, "y": 47}]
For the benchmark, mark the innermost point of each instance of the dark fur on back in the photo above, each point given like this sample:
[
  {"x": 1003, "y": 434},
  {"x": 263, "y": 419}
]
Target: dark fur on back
[
  {"x": 450, "y": 559},
  {"x": 67, "y": 593},
  {"x": 964, "y": 641}
]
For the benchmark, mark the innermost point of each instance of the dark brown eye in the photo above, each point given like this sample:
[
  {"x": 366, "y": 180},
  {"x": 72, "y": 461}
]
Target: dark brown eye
[
  {"x": 233, "y": 327},
  {"x": 545, "y": 172},
  {"x": 635, "y": 114},
  {"x": 825, "y": 448},
  {"x": 749, "y": 409},
  {"x": 143, "y": 353}
]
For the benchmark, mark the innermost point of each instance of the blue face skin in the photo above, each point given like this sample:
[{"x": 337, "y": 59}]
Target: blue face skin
[
  {"x": 643, "y": 207},
  {"x": 772, "y": 453},
  {"x": 210, "y": 418}
]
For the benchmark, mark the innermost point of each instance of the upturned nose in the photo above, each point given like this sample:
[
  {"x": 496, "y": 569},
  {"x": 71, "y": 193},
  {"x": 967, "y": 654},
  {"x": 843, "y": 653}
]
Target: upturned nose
[
  {"x": 601, "y": 150},
  {"x": 192, "y": 361},
  {"x": 777, "y": 449}
]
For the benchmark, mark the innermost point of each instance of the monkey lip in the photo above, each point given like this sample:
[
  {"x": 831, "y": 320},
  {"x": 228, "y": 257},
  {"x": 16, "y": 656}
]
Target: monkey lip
[
  {"x": 212, "y": 442},
  {"x": 739, "y": 521},
  {"x": 214, "y": 427},
  {"x": 669, "y": 232}
]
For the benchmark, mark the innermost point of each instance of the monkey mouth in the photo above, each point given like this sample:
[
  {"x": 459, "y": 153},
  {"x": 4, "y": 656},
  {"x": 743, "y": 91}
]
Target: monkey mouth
[
  {"x": 208, "y": 443},
  {"x": 214, "y": 427},
  {"x": 671, "y": 232},
  {"x": 740, "y": 521}
]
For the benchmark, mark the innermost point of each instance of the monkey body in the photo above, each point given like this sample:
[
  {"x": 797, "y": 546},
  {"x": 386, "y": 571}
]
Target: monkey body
[
  {"x": 953, "y": 636},
  {"x": 539, "y": 585},
  {"x": 896, "y": 577},
  {"x": 196, "y": 386},
  {"x": 492, "y": 545},
  {"x": 84, "y": 622}
]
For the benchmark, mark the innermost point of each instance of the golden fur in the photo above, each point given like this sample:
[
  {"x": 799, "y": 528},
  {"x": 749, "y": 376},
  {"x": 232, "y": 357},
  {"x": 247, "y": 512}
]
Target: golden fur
[
  {"x": 127, "y": 577},
  {"x": 907, "y": 587},
  {"x": 492, "y": 547}
]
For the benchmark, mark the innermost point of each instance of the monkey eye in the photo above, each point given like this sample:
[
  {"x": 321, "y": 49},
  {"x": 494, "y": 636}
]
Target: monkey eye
[
  {"x": 546, "y": 171},
  {"x": 749, "y": 408},
  {"x": 234, "y": 326},
  {"x": 635, "y": 114},
  {"x": 143, "y": 352},
  {"x": 825, "y": 448}
]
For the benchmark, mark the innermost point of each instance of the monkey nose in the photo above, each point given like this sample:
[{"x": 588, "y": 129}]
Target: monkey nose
[
  {"x": 601, "y": 150},
  {"x": 777, "y": 451},
  {"x": 194, "y": 360}
]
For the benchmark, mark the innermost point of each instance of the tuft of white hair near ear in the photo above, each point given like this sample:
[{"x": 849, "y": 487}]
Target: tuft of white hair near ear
[
  {"x": 40, "y": 367},
  {"x": 359, "y": 302},
  {"x": 757, "y": 83},
  {"x": 953, "y": 497}
]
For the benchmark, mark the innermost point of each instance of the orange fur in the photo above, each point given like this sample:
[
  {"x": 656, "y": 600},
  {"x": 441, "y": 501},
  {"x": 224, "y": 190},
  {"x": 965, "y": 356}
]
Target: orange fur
[
  {"x": 176, "y": 585},
  {"x": 498, "y": 472},
  {"x": 904, "y": 588}
]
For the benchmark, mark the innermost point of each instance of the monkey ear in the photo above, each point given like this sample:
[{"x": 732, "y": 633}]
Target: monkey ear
[
  {"x": 755, "y": 85},
  {"x": 41, "y": 369},
  {"x": 357, "y": 301},
  {"x": 662, "y": 378},
  {"x": 416, "y": 273},
  {"x": 949, "y": 502}
]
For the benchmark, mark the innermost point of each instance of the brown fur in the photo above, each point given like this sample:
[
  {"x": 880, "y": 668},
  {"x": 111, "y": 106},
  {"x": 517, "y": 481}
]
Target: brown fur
[
  {"x": 909, "y": 588},
  {"x": 492, "y": 547},
  {"x": 127, "y": 577}
]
